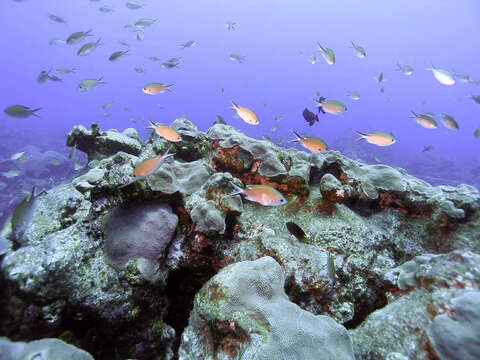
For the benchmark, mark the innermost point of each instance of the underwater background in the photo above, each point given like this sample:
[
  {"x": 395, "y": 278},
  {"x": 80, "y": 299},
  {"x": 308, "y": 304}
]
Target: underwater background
[{"x": 375, "y": 237}]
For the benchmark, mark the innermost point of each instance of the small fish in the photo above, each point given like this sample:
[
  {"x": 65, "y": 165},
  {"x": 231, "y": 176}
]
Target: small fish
[
  {"x": 310, "y": 117},
  {"x": 238, "y": 58},
  {"x": 43, "y": 76},
  {"x": 165, "y": 131},
  {"x": 20, "y": 111},
  {"x": 219, "y": 120},
  {"x": 154, "y": 58},
  {"x": 132, "y": 28},
  {"x": 145, "y": 22},
  {"x": 222, "y": 90},
  {"x": 188, "y": 44},
  {"x": 444, "y": 77},
  {"x": 89, "y": 47},
  {"x": 424, "y": 120},
  {"x": 106, "y": 114},
  {"x": 124, "y": 43},
  {"x": 171, "y": 63},
  {"x": 279, "y": 141},
  {"x": 118, "y": 54},
  {"x": 328, "y": 54},
  {"x": 90, "y": 84},
  {"x": 22, "y": 215},
  {"x": 139, "y": 70},
  {"x": 107, "y": 105},
  {"x": 266, "y": 137},
  {"x": 77, "y": 166},
  {"x": 380, "y": 78},
  {"x": 278, "y": 117},
  {"x": 313, "y": 59},
  {"x": 262, "y": 194},
  {"x": 477, "y": 132},
  {"x": 354, "y": 95},
  {"x": 78, "y": 37},
  {"x": 71, "y": 154},
  {"x": 54, "y": 78},
  {"x": 449, "y": 121},
  {"x": 311, "y": 143},
  {"x": 427, "y": 148},
  {"x": 331, "y": 267},
  {"x": 359, "y": 51},
  {"x": 296, "y": 231},
  {"x": 275, "y": 128},
  {"x": 140, "y": 36},
  {"x": 132, "y": 120},
  {"x": 377, "y": 138},
  {"x": 56, "y": 41},
  {"x": 156, "y": 88},
  {"x": 64, "y": 71},
  {"x": 404, "y": 69},
  {"x": 126, "y": 109},
  {"x": 382, "y": 90},
  {"x": 11, "y": 173},
  {"x": 245, "y": 114},
  {"x": 475, "y": 98},
  {"x": 230, "y": 25},
  {"x": 330, "y": 106},
  {"x": 57, "y": 18},
  {"x": 133, "y": 5},
  {"x": 149, "y": 166},
  {"x": 106, "y": 9}
]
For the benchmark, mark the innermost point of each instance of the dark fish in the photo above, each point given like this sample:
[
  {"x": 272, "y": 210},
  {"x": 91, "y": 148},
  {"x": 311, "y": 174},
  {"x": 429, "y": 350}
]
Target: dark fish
[
  {"x": 296, "y": 231},
  {"x": 22, "y": 215},
  {"x": 310, "y": 117},
  {"x": 427, "y": 148}
]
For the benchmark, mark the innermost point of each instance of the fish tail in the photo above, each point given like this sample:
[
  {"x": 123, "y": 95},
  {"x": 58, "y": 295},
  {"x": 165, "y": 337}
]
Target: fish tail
[
  {"x": 399, "y": 67},
  {"x": 98, "y": 43},
  {"x": 33, "y": 112},
  {"x": 152, "y": 124},
  {"x": 234, "y": 106},
  {"x": 167, "y": 153},
  {"x": 238, "y": 189},
  {"x": 362, "y": 135},
  {"x": 353, "y": 44},
  {"x": 296, "y": 134},
  {"x": 88, "y": 32},
  {"x": 320, "y": 46},
  {"x": 169, "y": 86},
  {"x": 100, "y": 80},
  {"x": 413, "y": 113}
]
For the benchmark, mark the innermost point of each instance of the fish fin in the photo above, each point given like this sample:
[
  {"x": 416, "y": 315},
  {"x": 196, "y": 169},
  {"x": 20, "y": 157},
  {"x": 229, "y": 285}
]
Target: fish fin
[
  {"x": 297, "y": 135},
  {"x": 320, "y": 46},
  {"x": 234, "y": 106},
  {"x": 362, "y": 135},
  {"x": 238, "y": 189},
  {"x": 167, "y": 87},
  {"x": 33, "y": 112},
  {"x": 353, "y": 45},
  {"x": 414, "y": 114}
]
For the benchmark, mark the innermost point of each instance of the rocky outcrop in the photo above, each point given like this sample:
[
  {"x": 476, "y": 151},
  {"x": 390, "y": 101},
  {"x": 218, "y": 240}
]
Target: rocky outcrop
[{"x": 131, "y": 255}]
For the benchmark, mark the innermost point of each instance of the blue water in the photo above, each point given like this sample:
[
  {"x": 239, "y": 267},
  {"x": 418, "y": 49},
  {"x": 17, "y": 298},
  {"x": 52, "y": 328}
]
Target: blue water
[{"x": 270, "y": 35}]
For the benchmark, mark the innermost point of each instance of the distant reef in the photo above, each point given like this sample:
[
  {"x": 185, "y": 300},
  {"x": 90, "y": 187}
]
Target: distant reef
[{"x": 174, "y": 267}]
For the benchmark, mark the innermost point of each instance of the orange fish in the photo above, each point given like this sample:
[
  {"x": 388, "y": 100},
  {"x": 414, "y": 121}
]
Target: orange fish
[
  {"x": 156, "y": 88},
  {"x": 262, "y": 194},
  {"x": 245, "y": 114},
  {"x": 149, "y": 166},
  {"x": 165, "y": 131},
  {"x": 311, "y": 143}
]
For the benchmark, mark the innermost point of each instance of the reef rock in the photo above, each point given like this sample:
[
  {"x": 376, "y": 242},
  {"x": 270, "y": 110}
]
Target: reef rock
[{"x": 243, "y": 313}]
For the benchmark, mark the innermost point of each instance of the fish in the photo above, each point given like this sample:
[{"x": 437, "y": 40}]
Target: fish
[
  {"x": 145, "y": 22},
  {"x": 78, "y": 37},
  {"x": 354, "y": 95},
  {"x": 444, "y": 77},
  {"x": 424, "y": 120},
  {"x": 87, "y": 48},
  {"x": 123, "y": 42},
  {"x": 296, "y": 231},
  {"x": 118, "y": 54},
  {"x": 23, "y": 215},
  {"x": 382, "y": 90},
  {"x": 132, "y": 120},
  {"x": 71, "y": 154},
  {"x": 64, "y": 71},
  {"x": 20, "y": 111},
  {"x": 238, "y": 58},
  {"x": 167, "y": 132},
  {"x": 133, "y": 5},
  {"x": 313, "y": 59},
  {"x": 107, "y": 105},
  {"x": 245, "y": 114},
  {"x": 449, "y": 121},
  {"x": 126, "y": 109},
  {"x": 330, "y": 106},
  {"x": 327, "y": 54},
  {"x": 310, "y": 117},
  {"x": 380, "y": 78},
  {"x": 149, "y": 166},
  {"x": 279, "y": 141},
  {"x": 266, "y": 137},
  {"x": 359, "y": 51},
  {"x": 427, "y": 148},
  {"x": 230, "y": 25},
  {"x": 311, "y": 143},
  {"x": 475, "y": 98},
  {"x": 56, "y": 41},
  {"x": 139, "y": 70},
  {"x": 219, "y": 120},
  {"x": 90, "y": 84},
  {"x": 278, "y": 117},
  {"x": 404, "y": 69},
  {"x": 156, "y": 88},
  {"x": 43, "y": 76},
  {"x": 57, "y": 18},
  {"x": 331, "y": 267},
  {"x": 377, "y": 138},
  {"x": 17, "y": 155},
  {"x": 154, "y": 58},
  {"x": 275, "y": 128},
  {"x": 106, "y": 114},
  {"x": 106, "y": 9},
  {"x": 11, "y": 173},
  {"x": 54, "y": 78},
  {"x": 262, "y": 194},
  {"x": 477, "y": 132},
  {"x": 132, "y": 28},
  {"x": 171, "y": 63},
  {"x": 140, "y": 36},
  {"x": 77, "y": 166},
  {"x": 188, "y": 44}
]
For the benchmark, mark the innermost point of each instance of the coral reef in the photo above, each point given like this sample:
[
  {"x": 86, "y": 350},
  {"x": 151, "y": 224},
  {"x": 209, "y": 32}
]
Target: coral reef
[{"x": 116, "y": 262}]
